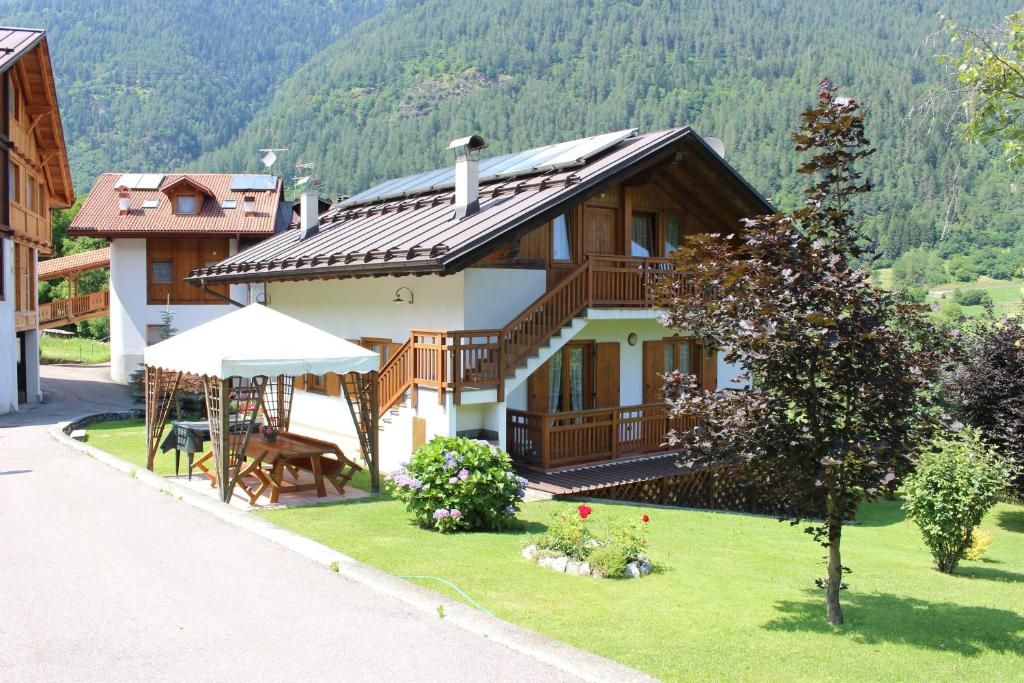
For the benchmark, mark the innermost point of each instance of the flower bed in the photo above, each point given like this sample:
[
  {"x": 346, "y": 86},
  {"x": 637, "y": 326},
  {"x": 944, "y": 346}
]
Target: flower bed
[{"x": 571, "y": 546}]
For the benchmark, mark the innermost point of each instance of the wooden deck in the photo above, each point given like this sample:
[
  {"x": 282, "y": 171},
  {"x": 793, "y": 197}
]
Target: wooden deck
[{"x": 587, "y": 478}]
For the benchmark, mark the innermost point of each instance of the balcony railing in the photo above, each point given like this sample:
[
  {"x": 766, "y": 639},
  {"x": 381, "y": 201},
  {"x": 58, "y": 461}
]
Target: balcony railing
[
  {"x": 455, "y": 361},
  {"x": 74, "y": 309},
  {"x": 544, "y": 441}
]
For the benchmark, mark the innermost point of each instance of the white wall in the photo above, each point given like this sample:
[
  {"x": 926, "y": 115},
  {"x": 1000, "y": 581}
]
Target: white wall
[
  {"x": 494, "y": 296},
  {"x": 8, "y": 339},
  {"x": 130, "y": 311},
  {"x": 365, "y": 307}
]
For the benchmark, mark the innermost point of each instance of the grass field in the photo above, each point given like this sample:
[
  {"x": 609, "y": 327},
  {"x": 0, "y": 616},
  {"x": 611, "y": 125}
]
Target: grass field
[
  {"x": 1006, "y": 295},
  {"x": 732, "y": 596},
  {"x": 63, "y": 349}
]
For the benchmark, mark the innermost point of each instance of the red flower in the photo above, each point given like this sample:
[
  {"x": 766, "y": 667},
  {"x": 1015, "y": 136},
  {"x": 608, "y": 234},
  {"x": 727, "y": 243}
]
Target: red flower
[
  {"x": 585, "y": 511},
  {"x": 645, "y": 519}
]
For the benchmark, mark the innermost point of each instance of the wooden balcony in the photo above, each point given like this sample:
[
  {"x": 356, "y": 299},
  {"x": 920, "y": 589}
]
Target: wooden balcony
[
  {"x": 546, "y": 441},
  {"x": 75, "y": 309},
  {"x": 461, "y": 360}
]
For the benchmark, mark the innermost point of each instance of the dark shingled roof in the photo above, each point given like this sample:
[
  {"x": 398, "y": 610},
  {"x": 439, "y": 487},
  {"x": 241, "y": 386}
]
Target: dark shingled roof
[{"x": 421, "y": 234}]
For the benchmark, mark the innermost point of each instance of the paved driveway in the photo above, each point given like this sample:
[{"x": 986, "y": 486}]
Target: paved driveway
[{"x": 104, "y": 578}]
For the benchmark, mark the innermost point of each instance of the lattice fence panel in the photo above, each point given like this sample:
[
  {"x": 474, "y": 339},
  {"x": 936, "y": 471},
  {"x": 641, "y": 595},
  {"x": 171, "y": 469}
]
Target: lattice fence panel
[
  {"x": 719, "y": 489},
  {"x": 277, "y": 404},
  {"x": 161, "y": 392}
]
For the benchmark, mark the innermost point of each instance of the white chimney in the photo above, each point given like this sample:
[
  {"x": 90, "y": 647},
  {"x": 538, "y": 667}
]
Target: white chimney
[
  {"x": 124, "y": 203},
  {"x": 467, "y": 174},
  {"x": 309, "y": 214}
]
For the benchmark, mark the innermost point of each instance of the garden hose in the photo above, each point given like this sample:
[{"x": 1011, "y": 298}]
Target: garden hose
[{"x": 458, "y": 590}]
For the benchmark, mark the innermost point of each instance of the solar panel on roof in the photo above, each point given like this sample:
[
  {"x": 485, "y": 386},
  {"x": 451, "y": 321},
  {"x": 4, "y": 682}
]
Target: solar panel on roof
[
  {"x": 548, "y": 158},
  {"x": 149, "y": 181},
  {"x": 253, "y": 182},
  {"x": 140, "y": 181}
]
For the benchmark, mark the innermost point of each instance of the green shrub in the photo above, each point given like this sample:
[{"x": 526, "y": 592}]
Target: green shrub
[
  {"x": 625, "y": 543},
  {"x": 972, "y": 297},
  {"x": 954, "y": 484},
  {"x": 457, "y": 484}
]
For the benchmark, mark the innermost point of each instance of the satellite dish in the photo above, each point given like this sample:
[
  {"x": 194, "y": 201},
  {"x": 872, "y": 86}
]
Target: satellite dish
[
  {"x": 717, "y": 145},
  {"x": 269, "y": 158}
]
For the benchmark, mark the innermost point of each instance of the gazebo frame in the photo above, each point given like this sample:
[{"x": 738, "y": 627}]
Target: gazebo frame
[{"x": 253, "y": 396}]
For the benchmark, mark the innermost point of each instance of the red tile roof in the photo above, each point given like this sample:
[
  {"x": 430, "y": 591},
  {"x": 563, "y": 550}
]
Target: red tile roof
[
  {"x": 100, "y": 216},
  {"x": 87, "y": 260},
  {"x": 421, "y": 234}
]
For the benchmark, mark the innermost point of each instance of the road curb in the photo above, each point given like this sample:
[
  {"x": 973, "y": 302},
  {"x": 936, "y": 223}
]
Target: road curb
[{"x": 566, "y": 658}]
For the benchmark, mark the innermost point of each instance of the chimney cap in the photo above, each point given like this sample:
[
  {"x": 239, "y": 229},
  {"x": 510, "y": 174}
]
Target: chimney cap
[{"x": 470, "y": 143}]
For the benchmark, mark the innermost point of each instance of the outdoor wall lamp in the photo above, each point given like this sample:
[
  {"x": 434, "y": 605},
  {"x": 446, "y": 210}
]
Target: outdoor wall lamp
[
  {"x": 398, "y": 296},
  {"x": 631, "y": 339}
]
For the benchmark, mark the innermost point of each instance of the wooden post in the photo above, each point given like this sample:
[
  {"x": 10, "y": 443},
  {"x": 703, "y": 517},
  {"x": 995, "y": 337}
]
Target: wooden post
[
  {"x": 614, "y": 441},
  {"x": 374, "y": 431},
  {"x": 440, "y": 351},
  {"x": 545, "y": 442},
  {"x": 456, "y": 368},
  {"x": 222, "y": 443}
]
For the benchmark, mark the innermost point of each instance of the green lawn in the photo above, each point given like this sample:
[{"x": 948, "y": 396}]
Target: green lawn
[
  {"x": 62, "y": 349},
  {"x": 1006, "y": 295},
  {"x": 732, "y": 596},
  {"x": 127, "y": 440}
]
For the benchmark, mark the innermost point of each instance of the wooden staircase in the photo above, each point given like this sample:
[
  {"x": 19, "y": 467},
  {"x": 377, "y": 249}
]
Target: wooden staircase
[{"x": 487, "y": 359}]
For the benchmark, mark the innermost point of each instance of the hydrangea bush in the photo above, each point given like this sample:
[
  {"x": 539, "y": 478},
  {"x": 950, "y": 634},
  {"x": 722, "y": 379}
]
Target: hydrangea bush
[{"x": 459, "y": 484}]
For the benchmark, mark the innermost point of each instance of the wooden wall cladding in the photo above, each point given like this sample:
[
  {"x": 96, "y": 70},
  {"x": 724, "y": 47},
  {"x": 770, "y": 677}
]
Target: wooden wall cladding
[{"x": 184, "y": 254}]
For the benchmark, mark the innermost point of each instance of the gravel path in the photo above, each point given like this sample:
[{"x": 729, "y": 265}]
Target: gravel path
[{"x": 103, "y": 578}]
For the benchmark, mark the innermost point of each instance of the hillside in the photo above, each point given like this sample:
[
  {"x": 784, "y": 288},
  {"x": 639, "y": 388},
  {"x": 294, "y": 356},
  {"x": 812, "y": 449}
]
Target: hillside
[
  {"x": 146, "y": 84},
  {"x": 370, "y": 90}
]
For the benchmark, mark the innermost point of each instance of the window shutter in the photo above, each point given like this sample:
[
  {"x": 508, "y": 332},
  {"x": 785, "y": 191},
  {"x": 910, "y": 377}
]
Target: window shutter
[{"x": 708, "y": 370}]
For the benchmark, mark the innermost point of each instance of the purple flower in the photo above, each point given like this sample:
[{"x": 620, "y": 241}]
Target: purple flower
[
  {"x": 510, "y": 475},
  {"x": 463, "y": 474},
  {"x": 455, "y": 514},
  {"x": 521, "y": 493},
  {"x": 440, "y": 513},
  {"x": 452, "y": 480},
  {"x": 415, "y": 483},
  {"x": 510, "y": 510},
  {"x": 523, "y": 481}
]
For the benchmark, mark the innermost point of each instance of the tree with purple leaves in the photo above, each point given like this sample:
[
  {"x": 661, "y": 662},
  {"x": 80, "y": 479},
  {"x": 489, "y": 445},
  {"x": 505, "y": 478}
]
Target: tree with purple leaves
[
  {"x": 987, "y": 388},
  {"x": 841, "y": 373}
]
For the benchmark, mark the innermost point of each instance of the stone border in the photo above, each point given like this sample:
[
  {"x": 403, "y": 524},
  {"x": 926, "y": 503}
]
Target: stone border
[{"x": 558, "y": 655}]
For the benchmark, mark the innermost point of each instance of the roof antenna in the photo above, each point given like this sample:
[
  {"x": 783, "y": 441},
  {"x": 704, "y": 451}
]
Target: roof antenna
[
  {"x": 271, "y": 155},
  {"x": 304, "y": 175}
]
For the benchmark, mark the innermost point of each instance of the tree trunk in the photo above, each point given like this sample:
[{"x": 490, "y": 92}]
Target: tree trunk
[{"x": 835, "y": 563}]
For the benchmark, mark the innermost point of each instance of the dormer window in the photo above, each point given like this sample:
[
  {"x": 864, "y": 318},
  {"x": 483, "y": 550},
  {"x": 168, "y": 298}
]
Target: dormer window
[{"x": 186, "y": 203}]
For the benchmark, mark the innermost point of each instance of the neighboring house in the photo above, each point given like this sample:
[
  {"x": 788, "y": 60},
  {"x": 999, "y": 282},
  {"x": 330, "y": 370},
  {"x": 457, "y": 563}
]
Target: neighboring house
[
  {"x": 517, "y": 303},
  {"x": 34, "y": 158},
  {"x": 160, "y": 227}
]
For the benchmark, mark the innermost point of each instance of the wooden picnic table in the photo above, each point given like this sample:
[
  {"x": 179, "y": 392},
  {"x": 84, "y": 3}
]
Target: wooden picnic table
[{"x": 288, "y": 453}]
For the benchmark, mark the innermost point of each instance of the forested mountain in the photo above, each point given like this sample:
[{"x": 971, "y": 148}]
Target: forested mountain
[
  {"x": 147, "y": 84},
  {"x": 368, "y": 90}
]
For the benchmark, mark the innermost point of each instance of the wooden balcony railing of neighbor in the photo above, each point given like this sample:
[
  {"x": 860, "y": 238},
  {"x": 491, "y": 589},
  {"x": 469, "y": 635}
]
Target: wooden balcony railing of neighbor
[
  {"x": 75, "y": 309},
  {"x": 545, "y": 441},
  {"x": 476, "y": 359}
]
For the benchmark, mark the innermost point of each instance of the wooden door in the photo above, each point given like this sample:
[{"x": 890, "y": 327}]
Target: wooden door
[
  {"x": 599, "y": 231},
  {"x": 537, "y": 387},
  {"x": 606, "y": 375},
  {"x": 654, "y": 368}
]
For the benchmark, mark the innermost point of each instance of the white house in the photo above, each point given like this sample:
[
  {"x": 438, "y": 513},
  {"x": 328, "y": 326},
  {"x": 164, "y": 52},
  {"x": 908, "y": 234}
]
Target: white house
[
  {"x": 34, "y": 159},
  {"x": 511, "y": 298},
  {"x": 160, "y": 227}
]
